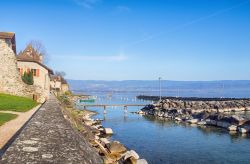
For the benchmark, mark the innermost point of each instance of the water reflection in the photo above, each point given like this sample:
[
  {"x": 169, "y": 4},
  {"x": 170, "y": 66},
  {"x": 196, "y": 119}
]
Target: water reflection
[{"x": 206, "y": 130}]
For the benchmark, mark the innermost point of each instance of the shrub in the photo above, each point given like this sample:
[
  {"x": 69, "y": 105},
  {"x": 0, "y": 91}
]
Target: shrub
[{"x": 28, "y": 78}]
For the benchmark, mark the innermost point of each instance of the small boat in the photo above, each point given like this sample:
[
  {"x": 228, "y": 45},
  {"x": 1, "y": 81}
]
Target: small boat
[{"x": 87, "y": 100}]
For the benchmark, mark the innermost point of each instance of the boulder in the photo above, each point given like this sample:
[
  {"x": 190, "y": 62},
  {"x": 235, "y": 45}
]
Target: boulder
[
  {"x": 116, "y": 147},
  {"x": 237, "y": 119},
  {"x": 232, "y": 128},
  {"x": 211, "y": 122},
  {"x": 178, "y": 119},
  {"x": 223, "y": 124},
  {"x": 130, "y": 160},
  {"x": 108, "y": 131},
  {"x": 166, "y": 106},
  {"x": 193, "y": 121},
  {"x": 129, "y": 154},
  {"x": 242, "y": 130},
  {"x": 141, "y": 112},
  {"x": 160, "y": 114},
  {"x": 201, "y": 123},
  {"x": 142, "y": 161},
  {"x": 104, "y": 141},
  {"x": 165, "y": 115}
]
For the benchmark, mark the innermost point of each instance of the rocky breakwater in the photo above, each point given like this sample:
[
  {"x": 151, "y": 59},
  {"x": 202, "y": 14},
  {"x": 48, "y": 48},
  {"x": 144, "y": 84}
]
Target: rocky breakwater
[{"x": 203, "y": 113}]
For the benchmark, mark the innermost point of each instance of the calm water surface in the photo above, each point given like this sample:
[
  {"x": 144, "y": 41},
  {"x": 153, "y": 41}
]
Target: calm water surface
[{"x": 160, "y": 141}]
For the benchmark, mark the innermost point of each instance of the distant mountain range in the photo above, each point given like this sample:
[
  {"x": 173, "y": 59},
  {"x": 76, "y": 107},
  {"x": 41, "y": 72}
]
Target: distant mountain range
[{"x": 226, "y": 88}]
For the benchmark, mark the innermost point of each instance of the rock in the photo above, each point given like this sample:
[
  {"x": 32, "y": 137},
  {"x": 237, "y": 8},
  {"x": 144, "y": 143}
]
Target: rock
[
  {"x": 160, "y": 114},
  {"x": 165, "y": 115},
  {"x": 130, "y": 160},
  {"x": 193, "y": 121},
  {"x": 142, "y": 161},
  {"x": 116, "y": 147},
  {"x": 242, "y": 130},
  {"x": 239, "y": 120},
  {"x": 141, "y": 112},
  {"x": 104, "y": 141},
  {"x": 178, "y": 119},
  {"x": 97, "y": 138},
  {"x": 108, "y": 131},
  {"x": 89, "y": 122},
  {"x": 165, "y": 106},
  {"x": 201, "y": 123},
  {"x": 223, "y": 124},
  {"x": 211, "y": 122},
  {"x": 131, "y": 153},
  {"x": 232, "y": 128}
]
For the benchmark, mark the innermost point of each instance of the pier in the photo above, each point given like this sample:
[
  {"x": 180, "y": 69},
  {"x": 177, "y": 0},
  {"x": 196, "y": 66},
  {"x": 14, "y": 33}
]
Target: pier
[{"x": 125, "y": 106}]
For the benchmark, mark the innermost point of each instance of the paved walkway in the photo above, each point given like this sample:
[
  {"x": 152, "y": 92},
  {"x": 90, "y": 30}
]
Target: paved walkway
[
  {"x": 9, "y": 129},
  {"x": 49, "y": 138}
]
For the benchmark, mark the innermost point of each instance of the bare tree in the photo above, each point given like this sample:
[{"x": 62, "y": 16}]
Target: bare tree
[
  {"x": 60, "y": 73},
  {"x": 40, "y": 48}
]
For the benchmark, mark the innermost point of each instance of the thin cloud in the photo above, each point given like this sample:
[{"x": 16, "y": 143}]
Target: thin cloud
[
  {"x": 114, "y": 58},
  {"x": 219, "y": 12},
  {"x": 87, "y": 3}
]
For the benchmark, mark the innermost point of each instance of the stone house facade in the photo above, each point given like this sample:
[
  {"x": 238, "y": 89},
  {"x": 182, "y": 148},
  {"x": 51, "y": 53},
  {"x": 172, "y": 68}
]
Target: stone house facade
[{"x": 30, "y": 61}]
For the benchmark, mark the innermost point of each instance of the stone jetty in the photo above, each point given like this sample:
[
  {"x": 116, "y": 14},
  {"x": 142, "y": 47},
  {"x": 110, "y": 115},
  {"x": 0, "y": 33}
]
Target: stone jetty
[
  {"x": 214, "y": 112},
  {"x": 49, "y": 138}
]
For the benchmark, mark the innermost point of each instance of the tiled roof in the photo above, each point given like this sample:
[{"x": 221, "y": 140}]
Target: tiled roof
[
  {"x": 29, "y": 54},
  {"x": 55, "y": 78},
  {"x": 5, "y": 35}
]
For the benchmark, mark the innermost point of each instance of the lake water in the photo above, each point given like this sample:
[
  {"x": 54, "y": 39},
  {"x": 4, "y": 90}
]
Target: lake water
[{"x": 160, "y": 141}]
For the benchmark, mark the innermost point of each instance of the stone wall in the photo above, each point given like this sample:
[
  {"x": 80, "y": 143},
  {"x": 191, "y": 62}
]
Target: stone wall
[{"x": 10, "y": 79}]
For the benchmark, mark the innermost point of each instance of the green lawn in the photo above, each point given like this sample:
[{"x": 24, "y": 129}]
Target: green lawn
[
  {"x": 16, "y": 103},
  {"x": 5, "y": 117}
]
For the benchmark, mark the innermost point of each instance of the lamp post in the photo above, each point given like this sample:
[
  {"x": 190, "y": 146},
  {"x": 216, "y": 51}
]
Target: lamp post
[{"x": 160, "y": 87}]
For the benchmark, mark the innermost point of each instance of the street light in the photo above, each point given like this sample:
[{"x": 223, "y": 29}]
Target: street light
[{"x": 160, "y": 87}]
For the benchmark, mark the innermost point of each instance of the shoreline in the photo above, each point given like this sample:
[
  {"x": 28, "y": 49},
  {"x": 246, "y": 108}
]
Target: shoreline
[{"x": 111, "y": 151}]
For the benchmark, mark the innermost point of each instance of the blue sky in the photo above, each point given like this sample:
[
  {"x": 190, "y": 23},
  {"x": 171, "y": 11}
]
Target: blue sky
[{"x": 137, "y": 39}]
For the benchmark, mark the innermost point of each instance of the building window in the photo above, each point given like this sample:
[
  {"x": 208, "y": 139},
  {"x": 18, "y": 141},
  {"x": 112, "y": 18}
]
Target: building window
[
  {"x": 20, "y": 71},
  {"x": 8, "y": 42},
  {"x": 34, "y": 72}
]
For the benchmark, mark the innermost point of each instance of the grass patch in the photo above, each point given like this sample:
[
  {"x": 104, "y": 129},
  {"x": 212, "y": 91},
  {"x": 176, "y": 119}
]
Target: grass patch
[
  {"x": 16, "y": 103},
  {"x": 5, "y": 117}
]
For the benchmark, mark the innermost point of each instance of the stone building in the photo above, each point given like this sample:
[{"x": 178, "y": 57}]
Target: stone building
[
  {"x": 65, "y": 86},
  {"x": 30, "y": 60},
  {"x": 58, "y": 83},
  {"x": 55, "y": 83},
  {"x": 10, "y": 79}
]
